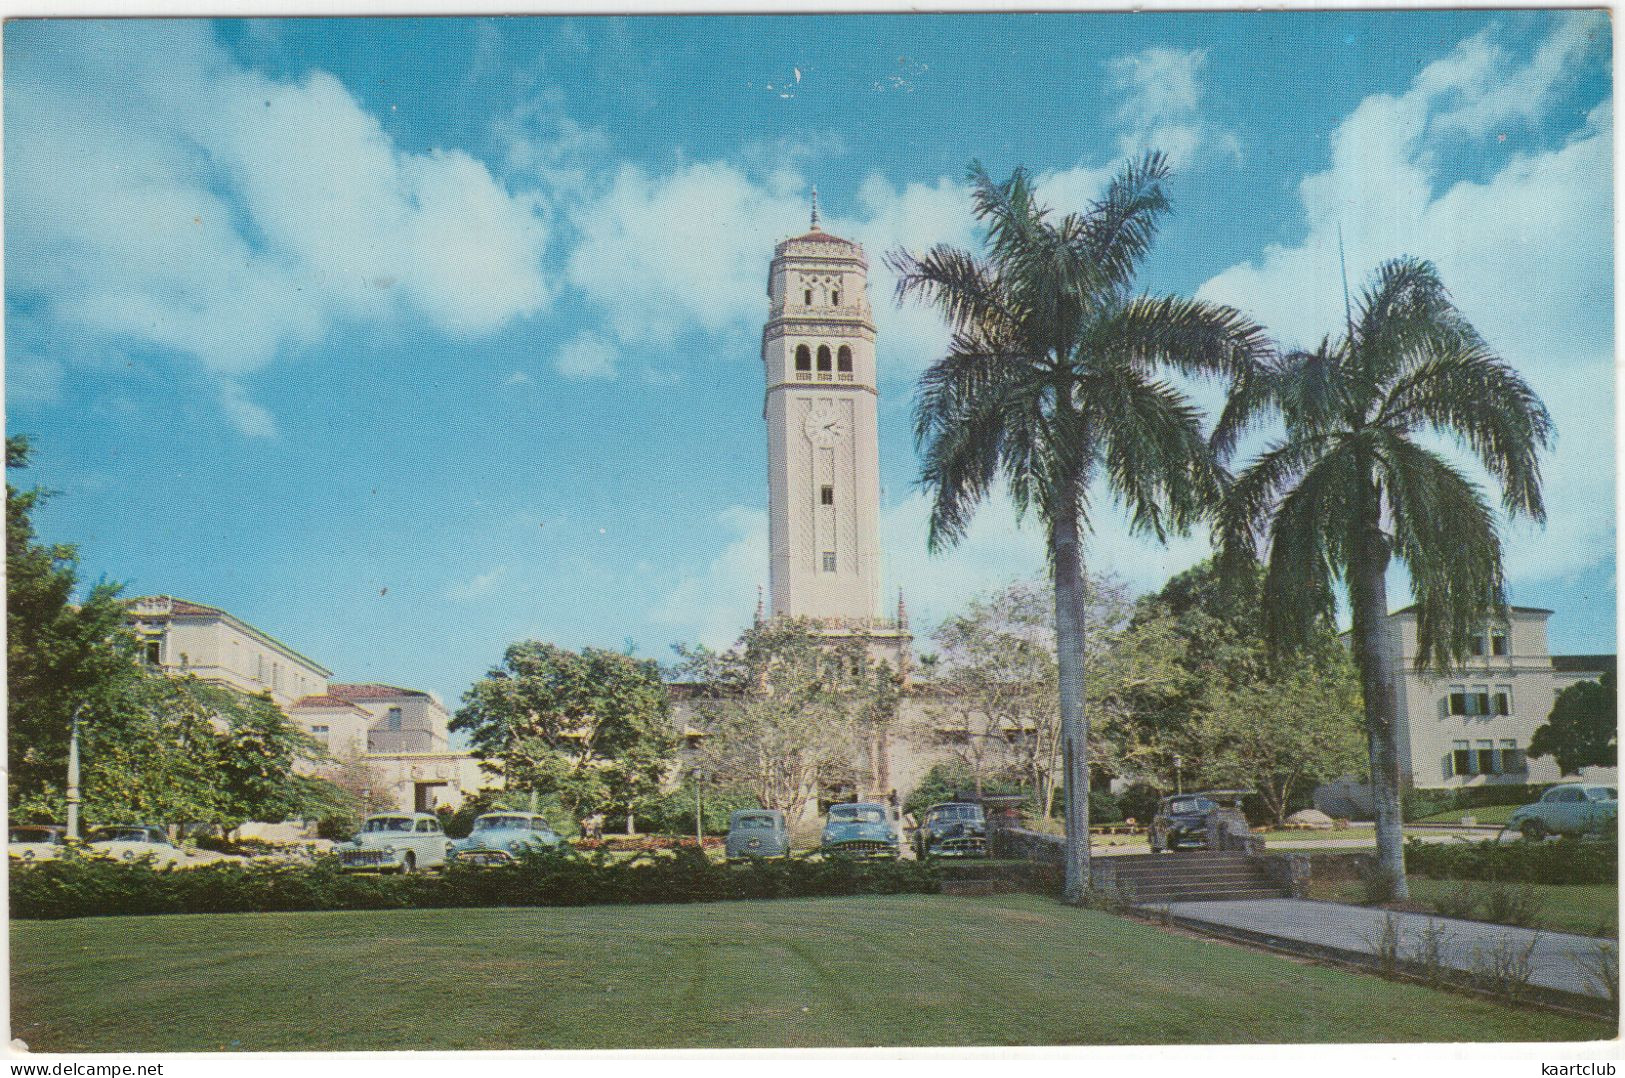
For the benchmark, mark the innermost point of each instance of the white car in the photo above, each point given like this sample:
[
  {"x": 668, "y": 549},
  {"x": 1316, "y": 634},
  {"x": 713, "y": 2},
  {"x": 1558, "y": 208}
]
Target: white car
[
  {"x": 134, "y": 842},
  {"x": 36, "y": 841},
  {"x": 396, "y": 842}
]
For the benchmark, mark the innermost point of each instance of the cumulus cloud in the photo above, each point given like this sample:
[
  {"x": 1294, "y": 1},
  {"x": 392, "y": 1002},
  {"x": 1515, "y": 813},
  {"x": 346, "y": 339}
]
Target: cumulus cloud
[
  {"x": 163, "y": 196},
  {"x": 587, "y": 355},
  {"x": 1161, "y": 107},
  {"x": 476, "y": 586},
  {"x": 713, "y": 605},
  {"x": 1526, "y": 251}
]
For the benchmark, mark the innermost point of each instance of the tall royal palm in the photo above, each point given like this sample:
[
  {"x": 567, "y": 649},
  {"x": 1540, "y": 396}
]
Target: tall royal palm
[
  {"x": 1054, "y": 379},
  {"x": 1350, "y": 487}
]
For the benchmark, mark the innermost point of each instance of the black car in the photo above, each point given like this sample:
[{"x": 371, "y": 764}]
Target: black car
[
  {"x": 1182, "y": 821},
  {"x": 952, "y": 829}
]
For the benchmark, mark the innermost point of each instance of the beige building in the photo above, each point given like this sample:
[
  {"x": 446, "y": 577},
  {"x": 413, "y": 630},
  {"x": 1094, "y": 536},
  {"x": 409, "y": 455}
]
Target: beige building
[
  {"x": 1474, "y": 727},
  {"x": 399, "y": 736}
]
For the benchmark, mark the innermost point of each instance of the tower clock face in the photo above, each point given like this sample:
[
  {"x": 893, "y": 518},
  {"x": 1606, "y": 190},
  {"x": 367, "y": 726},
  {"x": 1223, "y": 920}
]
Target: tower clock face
[{"x": 825, "y": 426}]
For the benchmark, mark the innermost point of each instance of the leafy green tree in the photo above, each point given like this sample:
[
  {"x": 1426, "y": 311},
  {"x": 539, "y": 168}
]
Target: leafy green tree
[
  {"x": 1583, "y": 728},
  {"x": 591, "y": 727},
  {"x": 1055, "y": 379},
  {"x": 788, "y": 711},
  {"x": 60, "y": 656},
  {"x": 1351, "y": 487}
]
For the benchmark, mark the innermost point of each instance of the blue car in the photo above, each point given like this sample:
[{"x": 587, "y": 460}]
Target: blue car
[
  {"x": 501, "y": 837},
  {"x": 863, "y": 829},
  {"x": 757, "y": 833}
]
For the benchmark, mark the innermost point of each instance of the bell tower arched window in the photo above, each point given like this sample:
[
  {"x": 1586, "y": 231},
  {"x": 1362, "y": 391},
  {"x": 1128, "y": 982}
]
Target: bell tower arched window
[
  {"x": 823, "y": 357},
  {"x": 807, "y": 297},
  {"x": 803, "y": 358},
  {"x": 843, "y": 360}
]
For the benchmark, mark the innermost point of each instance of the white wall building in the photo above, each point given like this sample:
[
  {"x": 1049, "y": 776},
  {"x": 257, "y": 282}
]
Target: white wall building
[{"x": 400, "y": 736}]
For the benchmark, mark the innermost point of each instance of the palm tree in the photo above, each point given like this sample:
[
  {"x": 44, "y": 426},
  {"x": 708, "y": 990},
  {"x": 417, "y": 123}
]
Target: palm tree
[
  {"x": 1350, "y": 487},
  {"x": 1054, "y": 378}
]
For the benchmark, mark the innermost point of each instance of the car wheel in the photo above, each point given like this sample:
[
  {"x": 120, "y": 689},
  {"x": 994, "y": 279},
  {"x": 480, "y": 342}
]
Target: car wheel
[
  {"x": 1533, "y": 830},
  {"x": 408, "y": 865}
]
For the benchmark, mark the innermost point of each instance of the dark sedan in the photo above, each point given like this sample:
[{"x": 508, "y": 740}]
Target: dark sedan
[{"x": 952, "y": 829}]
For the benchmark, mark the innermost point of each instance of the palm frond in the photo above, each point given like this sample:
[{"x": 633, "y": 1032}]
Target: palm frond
[
  {"x": 1462, "y": 389},
  {"x": 961, "y": 286},
  {"x": 1445, "y": 532},
  {"x": 1120, "y": 227},
  {"x": 1310, "y": 538},
  {"x": 1403, "y": 315}
]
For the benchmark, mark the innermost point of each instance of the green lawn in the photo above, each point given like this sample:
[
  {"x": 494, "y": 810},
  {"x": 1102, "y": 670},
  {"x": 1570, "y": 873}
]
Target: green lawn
[
  {"x": 1586, "y": 909},
  {"x": 909, "y": 970},
  {"x": 1484, "y": 815}
]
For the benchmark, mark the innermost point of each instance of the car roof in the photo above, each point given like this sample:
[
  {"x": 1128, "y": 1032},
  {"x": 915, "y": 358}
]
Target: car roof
[
  {"x": 953, "y": 804},
  {"x": 408, "y": 816},
  {"x": 754, "y": 812},
  {"x": 506, "y": 812},
  {"x": 39, "y": 826},
  {"x": 857, "y": 805}
]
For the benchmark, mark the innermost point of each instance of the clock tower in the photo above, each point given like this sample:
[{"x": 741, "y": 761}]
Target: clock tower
[{"x": 823, "y": 455}]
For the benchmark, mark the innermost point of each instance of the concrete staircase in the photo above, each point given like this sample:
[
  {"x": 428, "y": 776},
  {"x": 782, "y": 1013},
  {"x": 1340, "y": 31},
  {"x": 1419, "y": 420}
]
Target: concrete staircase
[{"x": 1194, "y": 876}]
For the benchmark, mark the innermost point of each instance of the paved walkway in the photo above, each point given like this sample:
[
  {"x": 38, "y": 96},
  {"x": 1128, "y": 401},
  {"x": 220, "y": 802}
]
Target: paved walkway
[
  {"x": 1358, "y": 929},
  {"x": 1325, "y": 841}
]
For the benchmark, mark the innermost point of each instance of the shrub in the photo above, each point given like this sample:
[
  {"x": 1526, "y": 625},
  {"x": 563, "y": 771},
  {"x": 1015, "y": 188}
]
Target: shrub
[
  {"x": 1519, "y": 906},
  {"x": 1417, "y": 804},
  {"x": 76, "y": 886},
  {"x": 1564, "y": 861},
  {"x": 1104, "y": 807},
  {"x": 1460, "y": 903},
  {"x": 1377, "y": 883}
]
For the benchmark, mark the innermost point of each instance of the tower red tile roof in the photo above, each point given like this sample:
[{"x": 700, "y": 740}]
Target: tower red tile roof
[{"x": 325, "y": 702}]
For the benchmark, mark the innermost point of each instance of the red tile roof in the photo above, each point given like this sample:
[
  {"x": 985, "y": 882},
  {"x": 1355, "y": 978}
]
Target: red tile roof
[
  {"x": 327, "y": 702},
  {"x": 820, "y": 236},
  {"x": 370, "y": 691}
]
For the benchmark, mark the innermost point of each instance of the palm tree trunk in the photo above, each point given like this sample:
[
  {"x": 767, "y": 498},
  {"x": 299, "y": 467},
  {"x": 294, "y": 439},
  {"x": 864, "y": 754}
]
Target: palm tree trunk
[
  {"x": 1066, "y": 548},
  {"x": 1368, "y": 595}
]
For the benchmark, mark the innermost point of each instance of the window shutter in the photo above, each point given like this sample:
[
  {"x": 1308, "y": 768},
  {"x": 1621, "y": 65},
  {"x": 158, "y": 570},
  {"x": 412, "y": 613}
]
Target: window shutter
[{"x": 1463, "y": 761}]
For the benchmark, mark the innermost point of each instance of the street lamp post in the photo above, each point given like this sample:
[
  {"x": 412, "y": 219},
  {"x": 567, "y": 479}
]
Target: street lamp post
[
  {"x": 699, "y": 825},
  {"x": 1178, "y": 787},
  {"x": 73, "y": 775}
]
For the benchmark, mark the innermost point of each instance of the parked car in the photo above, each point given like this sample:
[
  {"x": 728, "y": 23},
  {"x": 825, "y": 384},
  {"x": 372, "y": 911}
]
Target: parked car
[
  {"x": 133, "y": 842},
  {"x": 36, "y": 841},
  {"x": 861, "y": 829},
  {"x": 1182, "y": 820},
  {"x": 952, "y": 829},
  {"x": 757, "y": 833},
  {"x": 500, "y": 837},
  {"x": 1574, "y": 808},
  {"x": 396, "y": 842}
]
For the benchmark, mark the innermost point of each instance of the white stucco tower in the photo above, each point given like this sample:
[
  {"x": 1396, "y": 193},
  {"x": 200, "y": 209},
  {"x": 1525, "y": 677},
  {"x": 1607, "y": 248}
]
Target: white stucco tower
[{"x": 823, "y": 451}]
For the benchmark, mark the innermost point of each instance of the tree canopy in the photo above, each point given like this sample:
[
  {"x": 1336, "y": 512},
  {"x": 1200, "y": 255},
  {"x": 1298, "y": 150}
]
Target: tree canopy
[
  {"x": 592, "y": 727},
  {"x": 1583, "y": 728}
]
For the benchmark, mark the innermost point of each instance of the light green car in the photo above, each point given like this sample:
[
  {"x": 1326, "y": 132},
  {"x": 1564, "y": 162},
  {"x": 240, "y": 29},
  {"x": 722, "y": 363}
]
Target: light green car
[{"x": 1574, "y": 808}]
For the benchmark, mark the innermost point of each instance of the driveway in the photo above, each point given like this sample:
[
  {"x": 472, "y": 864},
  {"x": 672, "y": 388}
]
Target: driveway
[{"x": 1357, "y": 930}]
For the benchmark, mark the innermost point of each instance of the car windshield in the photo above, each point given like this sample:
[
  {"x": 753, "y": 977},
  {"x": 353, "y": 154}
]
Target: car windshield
[
  {"x": 501, "y": 823},
  {"x": 1603, "y": 793},
  {"x": 754, "y": 822},
  {"x": 954, "y": 812},
  {"x": 122, "y": 834},
  {"x": 856, "y": 814},
  {"x": 31, "y": 834},
  {"x": 389, "y": 823},
  {"x": 1190, "y": 804}
]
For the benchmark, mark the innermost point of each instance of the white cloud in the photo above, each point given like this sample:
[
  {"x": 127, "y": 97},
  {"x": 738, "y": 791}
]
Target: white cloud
[
  {"x": 1527, "y": 253},
  {"x": 587, "y": 355},
  {"x": 249, "y": 418},
  {"x": 163, "y": 196},
  {"x": 714, "y": 605},
  {"x": 477, "y": 586},
  {"x": 1161, "y": 108}
]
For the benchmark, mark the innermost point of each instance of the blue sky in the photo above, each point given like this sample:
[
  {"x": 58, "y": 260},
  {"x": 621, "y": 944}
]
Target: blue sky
[{"x": 405, "y": 339}]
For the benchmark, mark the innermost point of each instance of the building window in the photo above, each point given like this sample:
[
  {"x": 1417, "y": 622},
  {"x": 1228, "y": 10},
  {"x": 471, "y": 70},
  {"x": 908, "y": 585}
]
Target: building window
[
  {"x": 1486, "y": 758},
  {"x": 835, "y": 298},
  {"x": 259, "y": 669},
  {"x": 843, "y": 360},
  {"x": 806, "y": 298},
  {"x": 319, "y": 733},
  {"x": 823, "y": 357},
  {"x": 826, "y": 495},
  {"x": 1472, "y": 704},
  {"x": 1503, "y": 700},
  {"x": 1478, "y": 647},
  {"x": 1498, "y": 643},
  {"x": 392, "y": 721},
  {"x": 155, "y": 651},
  {"x": 803, "y": 358},
  {"x": 829, "y": 561},
  {"x": 1461, "y": 758},
  {"x": 1512, "y": 762}
]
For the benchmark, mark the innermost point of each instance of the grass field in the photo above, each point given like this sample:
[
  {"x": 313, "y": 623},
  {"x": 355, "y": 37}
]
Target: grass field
[
  {"x": 1484, "y": 815},
  {"x": 1586, "y": 909},
  {"x": 913, "y": 970}
]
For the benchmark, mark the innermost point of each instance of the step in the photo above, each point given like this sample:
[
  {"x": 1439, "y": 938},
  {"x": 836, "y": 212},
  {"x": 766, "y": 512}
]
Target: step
[{"x": 1228, "y": 896}]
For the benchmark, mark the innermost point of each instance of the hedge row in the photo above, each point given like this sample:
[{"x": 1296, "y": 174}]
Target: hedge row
[
  {"x": 1420, "y": 803},
  {"x": 1568, "y": 860},
  {"x": 79, "y": 887}
]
